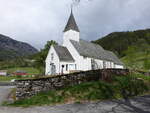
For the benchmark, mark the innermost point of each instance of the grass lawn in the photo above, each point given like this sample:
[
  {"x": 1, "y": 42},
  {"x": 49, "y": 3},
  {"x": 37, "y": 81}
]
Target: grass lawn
[
  {"x": 136, "y": 61},
  {"x": 3, "y": 78},
  {"x": 91, "y": 91},
  {"x": 29, "y": 70}
]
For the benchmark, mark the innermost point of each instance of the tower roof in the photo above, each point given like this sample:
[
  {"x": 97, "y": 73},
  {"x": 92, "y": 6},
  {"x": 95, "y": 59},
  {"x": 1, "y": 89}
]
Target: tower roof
[{"x": 71, "y": 24}]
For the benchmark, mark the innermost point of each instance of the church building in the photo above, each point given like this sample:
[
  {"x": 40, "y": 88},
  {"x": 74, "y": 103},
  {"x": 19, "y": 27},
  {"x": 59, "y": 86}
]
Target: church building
[{"x": 76, "y": 54}]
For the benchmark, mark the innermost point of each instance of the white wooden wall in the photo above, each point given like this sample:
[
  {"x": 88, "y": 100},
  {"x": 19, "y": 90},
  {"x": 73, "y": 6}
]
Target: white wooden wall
[{"x": 55, "y": 61}]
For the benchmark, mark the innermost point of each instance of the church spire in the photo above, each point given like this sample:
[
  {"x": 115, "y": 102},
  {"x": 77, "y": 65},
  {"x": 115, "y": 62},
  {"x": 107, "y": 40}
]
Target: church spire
[{"x": 71, "y": 24}]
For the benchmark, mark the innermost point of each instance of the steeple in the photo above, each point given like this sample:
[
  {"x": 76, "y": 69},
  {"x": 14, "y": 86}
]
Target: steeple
[{"x": 71, "y": 24}]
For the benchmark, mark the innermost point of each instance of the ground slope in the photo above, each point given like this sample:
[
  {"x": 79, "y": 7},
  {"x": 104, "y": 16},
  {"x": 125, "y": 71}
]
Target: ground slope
[{"x": 10, "y": 48}]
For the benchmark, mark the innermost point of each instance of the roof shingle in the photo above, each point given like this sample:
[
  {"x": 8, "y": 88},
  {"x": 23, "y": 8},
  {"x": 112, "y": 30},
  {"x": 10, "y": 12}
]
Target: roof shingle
[
  {"x": 92, "y": 50},
  {"x": 63, "y": 53}
]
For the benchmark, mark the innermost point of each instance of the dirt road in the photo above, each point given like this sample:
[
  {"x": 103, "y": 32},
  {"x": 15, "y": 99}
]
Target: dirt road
[{"x": 136, "y": 105}]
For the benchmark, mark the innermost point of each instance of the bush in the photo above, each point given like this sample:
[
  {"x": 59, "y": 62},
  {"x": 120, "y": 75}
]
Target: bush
[{"x": 129, "y": 86}]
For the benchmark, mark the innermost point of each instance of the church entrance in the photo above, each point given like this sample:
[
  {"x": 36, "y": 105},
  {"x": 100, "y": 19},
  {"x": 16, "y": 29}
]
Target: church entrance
[{"x": 53, "y": 69}]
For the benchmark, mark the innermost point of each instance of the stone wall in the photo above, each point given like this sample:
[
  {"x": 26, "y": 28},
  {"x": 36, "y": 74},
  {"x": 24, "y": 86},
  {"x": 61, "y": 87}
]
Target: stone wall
[{"x": 29, "y": 87}]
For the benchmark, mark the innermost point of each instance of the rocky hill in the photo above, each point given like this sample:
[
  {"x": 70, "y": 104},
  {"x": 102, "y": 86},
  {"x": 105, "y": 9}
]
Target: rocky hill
[{"x": 10, "y": 48}]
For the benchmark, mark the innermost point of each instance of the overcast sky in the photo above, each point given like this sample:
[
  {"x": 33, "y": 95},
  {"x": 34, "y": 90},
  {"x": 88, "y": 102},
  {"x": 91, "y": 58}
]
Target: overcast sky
[{"x": 37, "y": 21}]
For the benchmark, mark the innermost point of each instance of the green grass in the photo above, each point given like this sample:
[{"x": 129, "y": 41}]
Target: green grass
[
  {"x": 3, "y": 78},
  {"x": 146, "y": 78},
  {"x": 136, "y": 61},
  {"x": 85, "y": 91},
  {"x": 90, "y": 91},
  {"x": 29, "y": 70}
]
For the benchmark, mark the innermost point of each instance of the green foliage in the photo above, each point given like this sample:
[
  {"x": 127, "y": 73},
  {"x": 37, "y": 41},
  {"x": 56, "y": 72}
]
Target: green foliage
[
  {"x": 120, "y": 41},
  {"x": 43, "y": 98},
  {"x": 3, "y": 78},
  {"x": 138, "y": 56},
  {"x": 7, "y": 54},
  {"x": 132, "y": 47},
  {"x": 129, "y": 86},
  {"x": 29, "y": 70},
  {"x": 147, "y": 61},
  {"x": 90, "y": 91},
  {"x": 17, "y": 62}
]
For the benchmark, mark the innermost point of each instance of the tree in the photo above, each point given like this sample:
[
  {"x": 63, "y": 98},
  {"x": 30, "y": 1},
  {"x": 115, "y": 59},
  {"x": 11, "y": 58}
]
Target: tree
[{"x": 49, "y": 44}]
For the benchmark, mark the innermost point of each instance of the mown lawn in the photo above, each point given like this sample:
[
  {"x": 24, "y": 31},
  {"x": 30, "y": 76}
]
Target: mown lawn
[
  {"x": 29, "y": 70},
  {"x": 3, "y": 78},
  {"x": 120, "y": 87}
]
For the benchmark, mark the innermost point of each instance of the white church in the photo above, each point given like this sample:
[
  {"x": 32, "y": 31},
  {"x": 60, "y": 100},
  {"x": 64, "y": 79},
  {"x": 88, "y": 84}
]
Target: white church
[{"x": 76, "y": 54}]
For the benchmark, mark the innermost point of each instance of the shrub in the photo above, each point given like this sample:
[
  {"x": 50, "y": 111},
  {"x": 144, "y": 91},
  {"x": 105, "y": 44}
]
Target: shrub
[{"x": 129, "y": 86}]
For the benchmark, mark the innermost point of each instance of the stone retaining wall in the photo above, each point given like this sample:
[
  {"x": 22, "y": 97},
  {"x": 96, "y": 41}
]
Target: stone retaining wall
[{"x": 30, "y": 87}]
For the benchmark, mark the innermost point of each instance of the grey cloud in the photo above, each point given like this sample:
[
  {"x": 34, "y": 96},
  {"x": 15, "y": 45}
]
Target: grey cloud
[{"x": 36, "y": 22}]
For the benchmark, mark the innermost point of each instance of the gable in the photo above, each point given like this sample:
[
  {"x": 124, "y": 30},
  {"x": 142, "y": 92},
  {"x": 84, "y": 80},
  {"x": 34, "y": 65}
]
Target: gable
[{"x": 51, "y": 50}]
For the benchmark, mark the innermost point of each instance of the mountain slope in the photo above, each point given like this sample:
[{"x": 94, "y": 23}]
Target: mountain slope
[
  {"x": 10, "y": 48},
  {"x": 120, "y": 41},
  {"x": 132, "y": 47}
]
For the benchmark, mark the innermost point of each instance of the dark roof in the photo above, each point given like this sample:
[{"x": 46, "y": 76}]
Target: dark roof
[
  {"x": 88, "y": 49},
  {"x": 71, "y": 24},
  {"x": 113, "y": 57},
  {"x": 92, "y": 50},
  {"x": 63, "y": 53}
]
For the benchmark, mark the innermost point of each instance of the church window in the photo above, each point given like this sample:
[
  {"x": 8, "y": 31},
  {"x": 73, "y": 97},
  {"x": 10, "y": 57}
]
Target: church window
[
  {"x": 52, "y": 56},
  {"x": 104, "y": 64},
  {"x": 66, "y": 67}
]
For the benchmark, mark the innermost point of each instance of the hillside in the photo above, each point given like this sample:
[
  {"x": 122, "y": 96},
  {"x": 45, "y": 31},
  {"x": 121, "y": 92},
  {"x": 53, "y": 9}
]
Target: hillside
[
  {"x": 10, "y": 48},
  {"x": 132, "y": 47}
]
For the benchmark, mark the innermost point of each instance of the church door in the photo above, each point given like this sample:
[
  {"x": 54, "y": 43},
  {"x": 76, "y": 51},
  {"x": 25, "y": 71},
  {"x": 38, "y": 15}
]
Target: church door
[{"x": 53, "y": 69}]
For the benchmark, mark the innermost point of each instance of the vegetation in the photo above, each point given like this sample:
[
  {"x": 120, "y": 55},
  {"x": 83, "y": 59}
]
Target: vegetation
[
  {"x": 121, "y": 87},
  {"x": 120, "y": 41},
  {"x": 41, "y": 56},
  {"x": 17, "y": 62},
  {"x": 33, "y": 64},
  {"x": 138, "y": 57},
  {"x": 3, "y": 78},
  {"x": 10, "y": 48},
  {"x": 29, "y": 70},
  {"x": 132, "y": 47},
  {"x": 7, "y": 54}
]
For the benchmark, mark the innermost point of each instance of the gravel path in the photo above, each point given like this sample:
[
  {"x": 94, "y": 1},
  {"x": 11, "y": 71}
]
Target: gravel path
[
  {"x": 4, "y": 91},
  {"x": 136, "y": 105}
]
